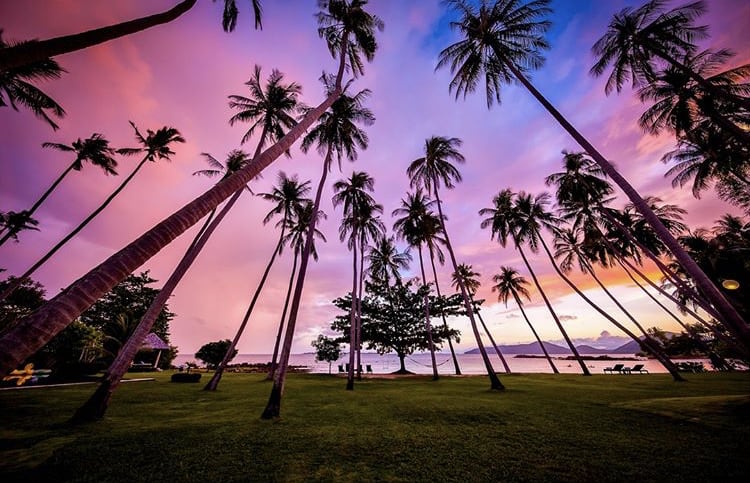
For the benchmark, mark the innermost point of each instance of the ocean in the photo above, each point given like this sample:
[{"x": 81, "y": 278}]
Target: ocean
[{"x": 468, "y": 363}]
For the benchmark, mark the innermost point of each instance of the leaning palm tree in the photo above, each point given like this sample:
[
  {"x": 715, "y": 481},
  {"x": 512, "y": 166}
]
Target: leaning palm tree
[
  {"x": 506, "y": 221},
  {"x": 14, "y": 222},
  {"x": 509, "y": 282},
  {"x": 568, "y": 246},
  {"x": 470, "y": 279},
  {"x": 154, "y": 145},
  {"x": 636, "y": 38},
  {"x": 17, "y": 343},
  {"x": 416, "y": 225},
  {"x": 349, "y": 32},
  {"x": 503, "y": 39},
  {"x": 430, "y": 171},
  {"x": 96, "y": 406},
  {"x": 96, "y": 150},
  {"x": 17, "y": 88},
  {"x": 298, "y": 227},
  {"x": 288, "y": 195}
]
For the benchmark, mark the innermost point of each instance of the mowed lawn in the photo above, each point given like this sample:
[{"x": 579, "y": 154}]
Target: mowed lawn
[{"x": 542, "y": 428}]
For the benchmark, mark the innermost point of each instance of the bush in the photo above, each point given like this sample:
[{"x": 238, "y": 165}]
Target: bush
[{"x": 186, "y": 377}]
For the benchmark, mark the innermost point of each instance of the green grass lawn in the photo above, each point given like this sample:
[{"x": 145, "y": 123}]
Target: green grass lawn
[{"x": 542, "y": 428}]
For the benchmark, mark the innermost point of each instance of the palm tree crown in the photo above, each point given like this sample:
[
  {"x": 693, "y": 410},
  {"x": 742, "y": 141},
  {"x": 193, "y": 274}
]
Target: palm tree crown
[
  {"x": 468, "y": 276},
  {"x": 156, "y": 143},
  {"x": 509, "y": 282},
  {"x": 272, "y": 109},
  {"x": 16, "y": 86},
  {"x": 289, "y": 196},
  {"x": 385, "y": 260},
  {"x": 435, "y": 168},
  {"x": 96, "y": 150},
  {"x": 498, "y": 38},
  {"x": 634, "y": 36}
]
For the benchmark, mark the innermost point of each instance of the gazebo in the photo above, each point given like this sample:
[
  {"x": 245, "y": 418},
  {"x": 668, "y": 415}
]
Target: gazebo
[{"x": 153, "y": 342}]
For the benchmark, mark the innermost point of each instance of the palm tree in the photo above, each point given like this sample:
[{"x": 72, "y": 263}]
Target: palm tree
[
  {"x": 470, "y": 278},
  {"x": 16, "y": 85},
  {"x": 568, "y": 246},
  {"x": 34, "y": 51},
  {"x": 154, "y": 145},
  {"x": 17, "y": 344},
  {"x": 15, "y": 222},
  {"x": 508, "y": 282},
  {"x": 298, "y": 226},
  {"x": 681, "y": 106},
  {"x": 95, "y": 150},
  {"x": 416, "y": 226},
  {"x": 635, "y": 38},
  {"x": 289, "y": 195},
  {"x": 386, "y": 261},
  {"x": 96, "y": 406},
  {"x": 348, "y": 29},
  {"x": 504, "y": 39},
  {"x": 358, "y": 224},
  {"x": 430, "y": 171}
]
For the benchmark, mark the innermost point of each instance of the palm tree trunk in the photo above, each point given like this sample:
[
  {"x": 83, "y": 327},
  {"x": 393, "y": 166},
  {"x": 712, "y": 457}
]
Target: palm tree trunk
[
  {"x": 645, "y": 343},
  {"x": 492, "y": 340},
  {"x": 533, "y": 330},
  {"x": 36, "y": 51},
  {"x": 31, "y": 333},
  {"x": 494, "y": 380},
  {"x": 271, "y": 372},
  {"x": 273, "y": 407},
  {"x": 95, "y": 407},
  {"x": 41, "y": 200},
  {"x": 17, "y": 282},
  {"x": 551, "y": 310},
  {"x": 442, "y": 314},
  {"x": 687, "y": 291},
  {"x": 352, "y": 323},
  {"x": 359, "y": 309},
  {"x": 214, "y": 382},
  {"x": 718, "y": 361},
  {"x": 427, "y": 325},
  {"x": 732, "y": 319},
  {"x": 655, "y": 347}
]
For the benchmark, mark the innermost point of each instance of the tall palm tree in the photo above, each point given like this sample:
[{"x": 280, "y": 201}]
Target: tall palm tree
[
  {"x": 14, "y": 222},
  {"x": 297, "y": 229},
  {"x": 288, "y": 195},
  {"x": 430, "y": 171},
  {"x": 502, "y": 40},
  {"x": 336, "y": 134},
  {"x": 416, "y": 226},
  {"x": 470, "y": 278},
  {"x": 156, "y": 145},
  {"x": 357, "y": 226},
  {"x": 509, "y": 282},
  {"x": 17, "y": 88},
  {"x": 19, "y": 343},
  {"x": 569, "y": 247},
  {"x": 636, "y": 38},
  {"x": 96, "y": 150},
  {"x": 96, "y": 406}
]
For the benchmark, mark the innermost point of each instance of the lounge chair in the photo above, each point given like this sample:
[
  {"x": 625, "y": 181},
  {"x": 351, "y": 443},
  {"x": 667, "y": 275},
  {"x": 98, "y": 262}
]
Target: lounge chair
[
  {"x": 636, "y": 368},
  {"x": 369, "y": 369},
  {"x": 616, "y": 368},
  {"x": 341, "y": 368}
]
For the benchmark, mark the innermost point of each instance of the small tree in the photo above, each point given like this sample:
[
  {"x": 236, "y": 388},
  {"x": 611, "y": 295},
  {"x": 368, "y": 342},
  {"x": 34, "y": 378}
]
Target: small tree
[
  {"x": 326, "y": 349},
  {"x": 213, "y": 352},
  {"x": 393, "y": 319}
]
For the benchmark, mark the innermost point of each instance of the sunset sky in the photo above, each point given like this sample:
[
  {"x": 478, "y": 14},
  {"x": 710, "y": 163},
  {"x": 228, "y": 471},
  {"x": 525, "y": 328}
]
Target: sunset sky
[{"x": 180, "y": 75}]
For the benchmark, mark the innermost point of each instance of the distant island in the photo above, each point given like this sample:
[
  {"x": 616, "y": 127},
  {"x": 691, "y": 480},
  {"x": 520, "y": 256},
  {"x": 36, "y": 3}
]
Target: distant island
[{"x": 533, "y": 348}]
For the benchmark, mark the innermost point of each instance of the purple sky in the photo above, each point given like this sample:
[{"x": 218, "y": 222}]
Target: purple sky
[{"x": 180, "y": 75}]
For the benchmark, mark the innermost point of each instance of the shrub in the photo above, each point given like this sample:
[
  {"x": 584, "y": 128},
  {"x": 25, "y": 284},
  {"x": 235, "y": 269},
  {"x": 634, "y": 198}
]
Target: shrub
[{"x": 186, "y": 377}]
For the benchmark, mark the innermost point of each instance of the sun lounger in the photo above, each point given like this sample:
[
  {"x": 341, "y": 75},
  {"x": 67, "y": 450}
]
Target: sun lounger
[
  {"x": 341, "y": 368},
  {"x": 369, "y": 369},
  {"x": 616, "y": 368},
  {"x": 636, "y": 368}
]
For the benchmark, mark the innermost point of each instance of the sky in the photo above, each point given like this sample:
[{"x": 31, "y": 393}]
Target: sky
[{"x": 180, "y": 75}]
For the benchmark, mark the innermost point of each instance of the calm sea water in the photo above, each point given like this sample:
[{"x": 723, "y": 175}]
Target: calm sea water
[{"x": 469, "y": 363}]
